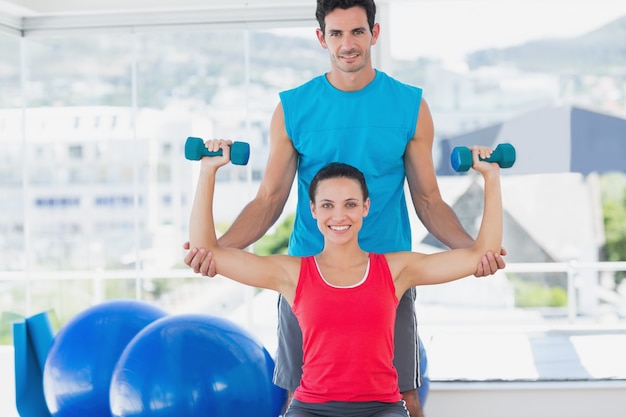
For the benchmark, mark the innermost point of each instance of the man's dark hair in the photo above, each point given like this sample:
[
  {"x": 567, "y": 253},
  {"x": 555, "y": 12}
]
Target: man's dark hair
[
  {"x": 337, "y": 170},
  {"x": 324, "y": 7}
]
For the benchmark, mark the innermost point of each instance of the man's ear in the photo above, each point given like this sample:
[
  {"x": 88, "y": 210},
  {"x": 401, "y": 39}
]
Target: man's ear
[
  {"x": 375, "y": 33},
  {"x": 320, "y": 38}
]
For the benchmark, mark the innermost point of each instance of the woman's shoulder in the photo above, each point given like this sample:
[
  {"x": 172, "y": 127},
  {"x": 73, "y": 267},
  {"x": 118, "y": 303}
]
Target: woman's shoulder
[
  {"x": 399, "y": 260},
  {"x": 289, "y": 263}
]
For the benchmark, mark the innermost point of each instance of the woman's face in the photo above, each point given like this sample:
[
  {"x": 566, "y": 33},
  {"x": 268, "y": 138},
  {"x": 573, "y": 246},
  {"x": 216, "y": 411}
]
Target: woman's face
[{"x": 339, "y": 208}]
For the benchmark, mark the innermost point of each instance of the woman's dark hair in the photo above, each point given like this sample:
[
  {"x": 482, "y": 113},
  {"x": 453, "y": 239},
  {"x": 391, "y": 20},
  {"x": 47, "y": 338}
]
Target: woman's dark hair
[
  {"x": 337, "y": 170},
  {"x": 324, "y": 7}
]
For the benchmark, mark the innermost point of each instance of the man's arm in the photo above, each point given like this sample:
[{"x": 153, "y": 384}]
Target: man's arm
[
  {"x": 262, "y": 212},
  {"x": 436, "y": 215}
]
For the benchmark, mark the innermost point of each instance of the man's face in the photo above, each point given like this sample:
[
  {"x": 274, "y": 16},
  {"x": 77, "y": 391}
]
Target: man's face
[{"x": 348, "y": 39}]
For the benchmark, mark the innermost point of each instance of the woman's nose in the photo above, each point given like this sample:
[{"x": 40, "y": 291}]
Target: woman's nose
[{"x": 338, "y": 213}]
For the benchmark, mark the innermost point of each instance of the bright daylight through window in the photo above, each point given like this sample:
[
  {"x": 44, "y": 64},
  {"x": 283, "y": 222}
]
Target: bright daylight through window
[{"x": 96, "y": 193}]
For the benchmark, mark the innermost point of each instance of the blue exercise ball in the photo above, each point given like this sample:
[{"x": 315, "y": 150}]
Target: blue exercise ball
[
  {"x": 195, "y": 365},
  {"x": 78, "y": 368}
]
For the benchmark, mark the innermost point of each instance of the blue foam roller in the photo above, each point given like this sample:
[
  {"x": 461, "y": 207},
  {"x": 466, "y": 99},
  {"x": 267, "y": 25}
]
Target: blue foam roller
[
  {"x": 41, "y": 335},
  {"x": 29, "y": 396}
]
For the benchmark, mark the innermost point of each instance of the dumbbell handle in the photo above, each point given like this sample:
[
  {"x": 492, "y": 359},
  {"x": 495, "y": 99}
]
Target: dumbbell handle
[
  {"x": 195, "y": 150},
  {"x": 461, "y": 157}
]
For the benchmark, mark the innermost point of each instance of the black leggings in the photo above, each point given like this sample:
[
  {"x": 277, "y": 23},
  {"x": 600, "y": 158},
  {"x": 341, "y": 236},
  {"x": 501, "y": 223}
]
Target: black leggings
[{"x": 347, "y": 409}]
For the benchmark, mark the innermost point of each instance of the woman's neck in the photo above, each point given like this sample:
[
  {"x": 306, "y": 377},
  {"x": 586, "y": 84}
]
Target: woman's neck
[{"x": 349, "y": 254}]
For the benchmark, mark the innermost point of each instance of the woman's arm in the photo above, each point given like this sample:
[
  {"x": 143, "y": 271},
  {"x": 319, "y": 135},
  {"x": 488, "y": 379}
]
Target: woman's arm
[
  {"x": 411, "y": 269},
  {"x": 262, "y": 212},
  {"x": 435, "y": 214},
  {"x": 276, "y": 272}
]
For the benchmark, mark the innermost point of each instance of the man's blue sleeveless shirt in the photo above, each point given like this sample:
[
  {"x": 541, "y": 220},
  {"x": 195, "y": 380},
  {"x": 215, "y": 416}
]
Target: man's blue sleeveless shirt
[{"x": 370, "y": 129}]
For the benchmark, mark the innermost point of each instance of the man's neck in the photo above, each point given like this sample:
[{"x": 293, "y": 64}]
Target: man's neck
[{"x": 351, "y": 81}]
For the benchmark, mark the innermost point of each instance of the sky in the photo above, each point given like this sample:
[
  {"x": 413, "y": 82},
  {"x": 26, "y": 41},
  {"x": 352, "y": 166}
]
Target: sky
[{"x": 449, "y": 29}]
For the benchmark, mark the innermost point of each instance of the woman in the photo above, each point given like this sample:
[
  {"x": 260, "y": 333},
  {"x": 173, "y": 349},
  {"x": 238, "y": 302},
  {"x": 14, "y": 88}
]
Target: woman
[{"x": 345, "y": 298}]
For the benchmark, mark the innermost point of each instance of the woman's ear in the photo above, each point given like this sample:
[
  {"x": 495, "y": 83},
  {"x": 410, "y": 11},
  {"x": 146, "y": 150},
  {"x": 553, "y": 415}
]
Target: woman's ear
[
  {"x": 312, "y": 204},
  {"x": 366, "y": 207}
]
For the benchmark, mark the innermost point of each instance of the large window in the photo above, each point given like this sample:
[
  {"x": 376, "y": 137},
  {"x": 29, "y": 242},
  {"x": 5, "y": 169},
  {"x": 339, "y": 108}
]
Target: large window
[
  {"x": 96, "y": 192},
  {"x": 94, "y": 180}
]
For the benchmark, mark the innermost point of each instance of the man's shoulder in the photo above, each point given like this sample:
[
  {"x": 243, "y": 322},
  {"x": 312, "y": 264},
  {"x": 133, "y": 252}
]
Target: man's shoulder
[
  {"x": 312, "y": 83},
  {"x": 386, "y": 78}
]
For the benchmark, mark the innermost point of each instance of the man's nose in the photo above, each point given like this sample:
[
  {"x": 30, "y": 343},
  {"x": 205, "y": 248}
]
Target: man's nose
[{"x": 348, "y": 42}]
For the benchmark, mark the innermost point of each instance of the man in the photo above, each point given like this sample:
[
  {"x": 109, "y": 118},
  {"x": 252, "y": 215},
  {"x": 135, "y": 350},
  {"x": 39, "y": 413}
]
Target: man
[{"x": 357, "y": 115}]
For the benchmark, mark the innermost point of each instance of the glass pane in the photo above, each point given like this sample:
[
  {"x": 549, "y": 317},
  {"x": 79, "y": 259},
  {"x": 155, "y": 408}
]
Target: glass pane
[
  {"x": 108, "y": 186},
  {"x": 80, "y": 173},
  {"x": 212, "y": 84},
  {"x": 189, "y": 83},
  {"x": 10, "y": 93},
  {"x": 480, "y": 71},
  {"x": 81, "y": 144},
  {"x": 12, "y": 254},
  {"x": 508, "y": 61},
  {"x": 12, "y": 217}
]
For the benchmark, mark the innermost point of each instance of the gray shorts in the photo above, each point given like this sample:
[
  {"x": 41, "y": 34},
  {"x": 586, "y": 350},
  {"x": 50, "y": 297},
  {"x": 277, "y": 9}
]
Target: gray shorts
[
  {"x": 346, "y": 409},
  {"x": 288, "y": 361}
]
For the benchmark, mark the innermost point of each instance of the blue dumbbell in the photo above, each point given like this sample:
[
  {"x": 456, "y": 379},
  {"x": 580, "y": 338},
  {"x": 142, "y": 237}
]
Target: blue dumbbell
[
  {"x": 195, "y": 150},
  {"x": 461, "y": 157}
]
